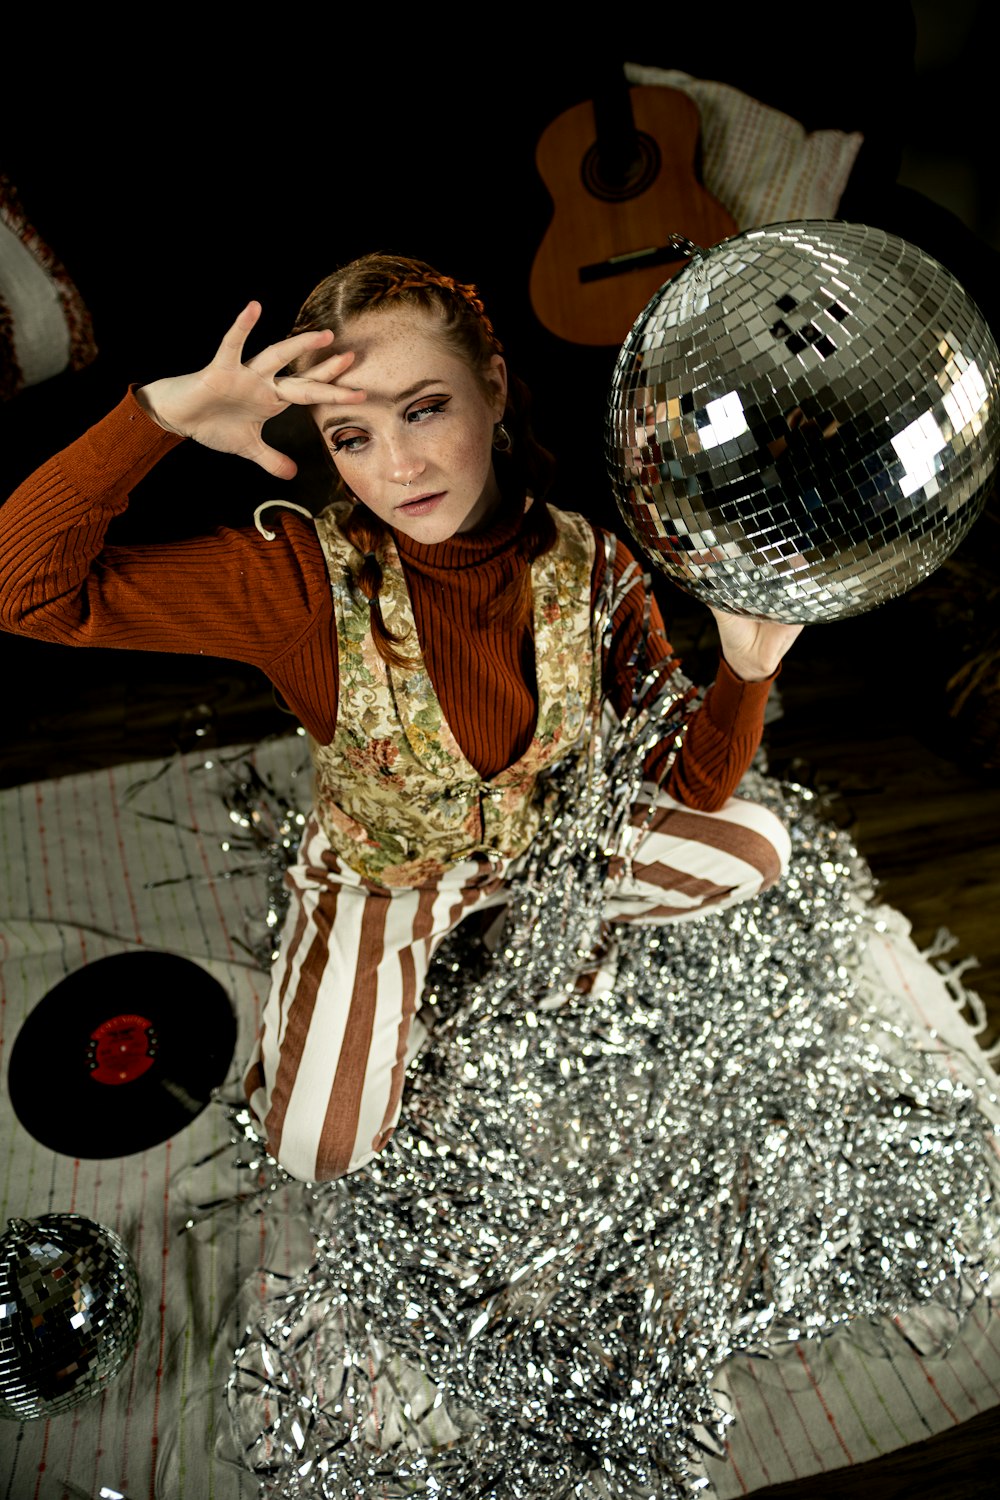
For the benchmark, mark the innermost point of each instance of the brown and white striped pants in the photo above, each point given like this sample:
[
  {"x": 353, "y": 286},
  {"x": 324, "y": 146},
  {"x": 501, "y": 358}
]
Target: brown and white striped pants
[{"x": 341, "y": 1022}]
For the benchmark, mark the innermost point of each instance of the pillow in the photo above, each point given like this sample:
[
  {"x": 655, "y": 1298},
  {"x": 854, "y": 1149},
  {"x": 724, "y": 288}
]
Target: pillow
[
  {"x": 45, "y": 325},
  {"x": 762, "y": 165}
]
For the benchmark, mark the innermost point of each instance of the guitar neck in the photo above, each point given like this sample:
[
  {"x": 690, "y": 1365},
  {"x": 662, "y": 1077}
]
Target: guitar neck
[{"x": 618, "y": 148}]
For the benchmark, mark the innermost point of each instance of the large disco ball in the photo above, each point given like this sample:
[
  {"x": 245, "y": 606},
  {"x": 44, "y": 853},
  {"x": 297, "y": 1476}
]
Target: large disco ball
[
  {"x": 70, "y": 1312},
  {"x": 803, "y": 423}
]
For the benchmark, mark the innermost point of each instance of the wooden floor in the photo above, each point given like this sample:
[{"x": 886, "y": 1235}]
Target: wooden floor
[
  {"x": 861, "y": 720},
  {"x": 864, "y": 721}
]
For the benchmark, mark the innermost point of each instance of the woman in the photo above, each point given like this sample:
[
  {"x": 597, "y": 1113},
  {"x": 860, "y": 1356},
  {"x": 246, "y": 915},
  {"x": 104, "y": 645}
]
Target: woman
[{"x": 433, "y": 629}]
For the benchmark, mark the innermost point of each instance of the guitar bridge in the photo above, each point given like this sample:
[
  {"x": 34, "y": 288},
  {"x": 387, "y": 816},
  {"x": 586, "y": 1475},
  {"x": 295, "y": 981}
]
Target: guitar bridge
[{"x": 676, "y": 248}]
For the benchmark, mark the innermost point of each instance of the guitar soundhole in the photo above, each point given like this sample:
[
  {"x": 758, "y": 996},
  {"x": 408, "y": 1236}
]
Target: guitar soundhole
[{"x": 613, "y": 181}]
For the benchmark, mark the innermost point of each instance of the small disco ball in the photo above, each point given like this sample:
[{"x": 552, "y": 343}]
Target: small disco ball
[
  {"x": 803, "y": 423},
  {"x": 70, "y": 1310}
]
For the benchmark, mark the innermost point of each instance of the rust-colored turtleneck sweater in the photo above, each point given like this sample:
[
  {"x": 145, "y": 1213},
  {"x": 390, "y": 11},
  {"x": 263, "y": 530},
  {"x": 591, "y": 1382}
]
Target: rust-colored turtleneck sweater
[{"x": 232, "y": 594}]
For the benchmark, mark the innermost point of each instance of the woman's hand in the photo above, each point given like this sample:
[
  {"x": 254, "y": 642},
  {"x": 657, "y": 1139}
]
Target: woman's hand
[
  {"x": 225, "y": 405},
  {"x": 753, "y": 647}
]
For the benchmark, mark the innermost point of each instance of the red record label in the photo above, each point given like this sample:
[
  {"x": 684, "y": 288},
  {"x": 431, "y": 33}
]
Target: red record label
[
  {"x": 121, "y": 1054},
  {"x": 121, "y": 1049}
]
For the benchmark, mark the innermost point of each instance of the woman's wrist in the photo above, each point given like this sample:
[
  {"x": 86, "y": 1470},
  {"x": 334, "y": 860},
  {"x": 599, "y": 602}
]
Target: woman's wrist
[
  {"x": 150, "y": 398},
  {"x": 749, "y": 671}
]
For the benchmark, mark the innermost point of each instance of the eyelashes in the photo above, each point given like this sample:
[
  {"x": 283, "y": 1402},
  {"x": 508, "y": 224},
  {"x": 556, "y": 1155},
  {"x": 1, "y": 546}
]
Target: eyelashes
[
  {"x": 430, "y": 410},
  {"x": 353, "y": 442}
]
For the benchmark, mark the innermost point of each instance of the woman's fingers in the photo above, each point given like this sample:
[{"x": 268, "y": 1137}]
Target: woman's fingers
[
  {"x": 335, "y": 363},
  {"x": 300, "y": 390},
  {"x": 277, "y": 464},
  {"x": 753, "y": 646},
  {"x": 230, "y": 350},
  {"x": 225, "y": 404},
  {"x": 276, "y": 356},
  {"x": 319, "y": 382}
]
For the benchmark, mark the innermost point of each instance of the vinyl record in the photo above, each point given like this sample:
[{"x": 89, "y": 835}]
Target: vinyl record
[{"x": 121, "y": 1054}]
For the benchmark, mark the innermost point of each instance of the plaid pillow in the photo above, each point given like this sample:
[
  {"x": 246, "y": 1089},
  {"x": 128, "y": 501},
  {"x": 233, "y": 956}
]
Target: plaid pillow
[{"x": 762, "y": 165}]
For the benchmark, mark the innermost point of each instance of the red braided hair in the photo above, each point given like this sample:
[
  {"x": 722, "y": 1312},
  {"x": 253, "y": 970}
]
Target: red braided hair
[
  {"x": 401, "y": 283},
  {"x": 370, "y": 282}
]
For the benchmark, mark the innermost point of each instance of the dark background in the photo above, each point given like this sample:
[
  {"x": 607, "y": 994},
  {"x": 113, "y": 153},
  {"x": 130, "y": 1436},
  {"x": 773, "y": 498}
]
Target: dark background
[
  {"x": 178, "y": 181},
  {"x": 177, "y": 176}
]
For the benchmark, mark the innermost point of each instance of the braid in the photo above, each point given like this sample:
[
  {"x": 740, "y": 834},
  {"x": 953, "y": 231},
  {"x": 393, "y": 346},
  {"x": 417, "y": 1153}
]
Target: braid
[
  {"x": 366, "y": 532},
  {"x": 401, "y": 283}
]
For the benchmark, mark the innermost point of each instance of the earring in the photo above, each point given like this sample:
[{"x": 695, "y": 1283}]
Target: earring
[{"x": 502, "y": 440}]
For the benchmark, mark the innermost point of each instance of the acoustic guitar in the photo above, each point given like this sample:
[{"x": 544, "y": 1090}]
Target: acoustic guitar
[{"x": 628, "y": 207}]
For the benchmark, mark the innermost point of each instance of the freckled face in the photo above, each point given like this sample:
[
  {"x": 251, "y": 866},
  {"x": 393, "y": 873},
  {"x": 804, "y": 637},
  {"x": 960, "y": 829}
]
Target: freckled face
[{"x": 418, "y": 450}]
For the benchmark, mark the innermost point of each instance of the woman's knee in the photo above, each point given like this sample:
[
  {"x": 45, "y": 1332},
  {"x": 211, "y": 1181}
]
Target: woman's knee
[
  {"x": 328, "y": 1161},
  {"x": 761, "y": 844},
  {"x": 776, "y": 846},
  {"x": 688, "y": 861},
  {"x": 742, "y": 841}
]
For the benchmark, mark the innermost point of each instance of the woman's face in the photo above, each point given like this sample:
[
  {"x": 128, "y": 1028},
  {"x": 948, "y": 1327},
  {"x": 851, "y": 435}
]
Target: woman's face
[{"x": 418, "y": 450}]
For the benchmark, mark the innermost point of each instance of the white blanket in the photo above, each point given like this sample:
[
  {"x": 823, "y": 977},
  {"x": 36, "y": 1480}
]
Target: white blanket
[{"x": 135, "y": 858}]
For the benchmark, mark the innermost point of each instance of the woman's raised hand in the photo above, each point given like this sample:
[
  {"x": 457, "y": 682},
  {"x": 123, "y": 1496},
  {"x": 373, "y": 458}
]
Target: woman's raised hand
[
  {"x": 753, "y": 647},
  {"x": 225, "y": 405}
]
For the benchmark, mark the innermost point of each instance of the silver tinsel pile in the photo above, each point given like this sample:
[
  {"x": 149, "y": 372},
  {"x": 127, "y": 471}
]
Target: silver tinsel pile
[{"x": 595, "y": 1198}]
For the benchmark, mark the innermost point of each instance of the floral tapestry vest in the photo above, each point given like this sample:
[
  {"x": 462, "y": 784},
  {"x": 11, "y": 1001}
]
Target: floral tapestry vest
[{"x": 396, "y": 797}]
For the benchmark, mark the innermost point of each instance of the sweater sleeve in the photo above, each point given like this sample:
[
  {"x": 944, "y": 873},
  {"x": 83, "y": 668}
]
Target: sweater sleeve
[
  {"x": 724, "y": 733},
  {"x": 230, "y": 593}
]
